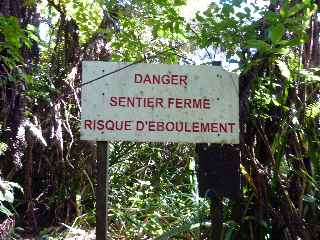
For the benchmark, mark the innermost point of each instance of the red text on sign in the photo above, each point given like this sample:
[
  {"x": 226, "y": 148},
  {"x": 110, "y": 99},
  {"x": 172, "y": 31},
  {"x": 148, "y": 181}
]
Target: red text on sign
[
  {"x": 188, "y": 103},
  {"x": 111, "y": 125},
  {"x": 156, "y": 102},
  {"x": 173, "y": 79},
  {"x": 136, "y": 102},
  {"x": 159, "y": 126}
]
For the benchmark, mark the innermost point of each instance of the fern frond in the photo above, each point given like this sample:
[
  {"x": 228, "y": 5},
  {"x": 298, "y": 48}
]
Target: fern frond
[{"x": 312, "y": 110}]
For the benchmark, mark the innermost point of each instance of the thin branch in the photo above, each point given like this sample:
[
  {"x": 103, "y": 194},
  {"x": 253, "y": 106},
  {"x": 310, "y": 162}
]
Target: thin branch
[{"x": 131, "y": 64}]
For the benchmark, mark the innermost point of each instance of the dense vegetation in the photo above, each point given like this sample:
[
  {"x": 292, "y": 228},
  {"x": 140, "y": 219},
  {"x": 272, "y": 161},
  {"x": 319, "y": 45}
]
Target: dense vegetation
[{"x": 48, "y": 174}]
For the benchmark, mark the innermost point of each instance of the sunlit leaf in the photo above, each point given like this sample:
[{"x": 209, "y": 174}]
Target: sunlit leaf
[
  {"x": 295, "y": 9},
  {"x": 276, "y": 32},
  {"x": 5, "y": 210},
  {"x": 258, "y": 44},
  {"x": 284, "y": 70}
]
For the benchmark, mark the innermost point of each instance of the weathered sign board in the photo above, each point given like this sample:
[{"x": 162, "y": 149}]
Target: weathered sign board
[
  {"x": 159, "y": 103},
  {"x": 162, "y": 103}
]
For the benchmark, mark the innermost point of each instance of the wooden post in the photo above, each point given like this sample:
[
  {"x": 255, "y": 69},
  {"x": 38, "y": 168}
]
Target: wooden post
[
  {"x": 102, "y": 191},
  {"x": 216, "y": 212},
  {"x": 218, "y": 177}
]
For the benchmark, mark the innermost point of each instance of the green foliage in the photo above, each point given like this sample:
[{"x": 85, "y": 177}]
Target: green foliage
[
  {"x": 153, "y": 186},
  {"x": 7, "y": 196},
  {"x": 313, "y": 110},
  {"x": 13, "y": 39},
  {"x": 276, "y": 33},
  {"x": 149, "y": 194},
  {"x": 3, "y": 148},
  {"x": 88, "y": 15},
  {"x": 284, "y": 70},
  {"x": 39, "y": 87},
  {"x": 189, "y": 225},
  {"x": 268, "y": 50},
  {"x": 311, "y": 75},
  {"x": 259, "y": 45},
  {"x": 224, "y": 28},
  {"x": 147, "y": 29},
  {"x": 234, "y": 31}
]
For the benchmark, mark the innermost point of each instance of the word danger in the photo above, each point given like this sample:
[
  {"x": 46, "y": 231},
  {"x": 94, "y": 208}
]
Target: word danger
[
  {"x": 167, "y": 79},
  {"x": 158, "y": 126},
  {"x": 156, "y": 102}
]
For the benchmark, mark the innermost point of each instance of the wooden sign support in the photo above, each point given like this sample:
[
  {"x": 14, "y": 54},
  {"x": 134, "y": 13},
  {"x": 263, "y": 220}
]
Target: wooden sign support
[
  {"x": 218, "y": 177},
  {"x": 216, "y": 212},
  {"x": 102, "y": 191}
]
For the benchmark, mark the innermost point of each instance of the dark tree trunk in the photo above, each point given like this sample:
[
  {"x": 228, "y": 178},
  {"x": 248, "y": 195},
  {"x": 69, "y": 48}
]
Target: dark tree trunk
[{"x": 13, "y": 103}]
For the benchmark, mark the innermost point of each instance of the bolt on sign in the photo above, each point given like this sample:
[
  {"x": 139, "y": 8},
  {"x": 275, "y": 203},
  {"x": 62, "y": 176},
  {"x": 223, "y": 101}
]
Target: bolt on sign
[{"x": 159, "y": 103}]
